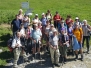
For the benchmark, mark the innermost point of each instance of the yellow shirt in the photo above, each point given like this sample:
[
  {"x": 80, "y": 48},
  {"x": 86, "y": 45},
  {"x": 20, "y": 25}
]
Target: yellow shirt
[{"x": 78, "y": 33}]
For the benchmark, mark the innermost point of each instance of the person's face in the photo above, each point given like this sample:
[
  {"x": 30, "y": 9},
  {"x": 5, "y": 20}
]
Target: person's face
[
  {"x": 18, "y": 34},
  {"x": 36, "y": 27},
  {"x": 63, "y": 32},
  {"x": 52, "y": 27},
  {"x": 77, "y": 26},
  {"x": 20, "y": 12},
  {"x": 54, "y": 33},
  {"x": 17, "y": 16},
  {"x": 85, "y": 23},
  {"x": 76, "y": 20}
]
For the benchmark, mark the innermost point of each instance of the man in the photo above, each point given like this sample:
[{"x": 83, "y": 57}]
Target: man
[
  {"x": 54, "y": 50},
  {"x": 56, "y": 19},
  {"x": 36, "y": 38},
  {"x": 86, "y": 34},
  {"x": 18, "y": 49},
  {"x": 15, "y": 24}
]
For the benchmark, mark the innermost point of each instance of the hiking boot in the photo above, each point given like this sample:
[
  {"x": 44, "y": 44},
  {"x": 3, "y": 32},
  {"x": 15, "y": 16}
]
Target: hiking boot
[
  {"x": 76, "y": 57},
  {"x": 58, "y": 65},
  {"x": 39, "y": 56},
  {"x": 81, "y": 57}
]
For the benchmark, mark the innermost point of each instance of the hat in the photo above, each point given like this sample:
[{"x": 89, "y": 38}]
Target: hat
[
  {"x": 62, "y": 29},
  {"x": 43, "y": 13},
  {"x": 63, "y": 21},
  {"x": 35, "y": 24},
  {"x": 36, "y": 14},
  {"x": 54, "y": 30},
  {"x": 76, "y": 18},
  {"x": 84, "y": 20},
  {"x": 52, "y": 25}
]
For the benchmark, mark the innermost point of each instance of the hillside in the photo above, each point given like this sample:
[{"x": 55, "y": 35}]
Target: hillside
[{"x": 80, "y": 8}]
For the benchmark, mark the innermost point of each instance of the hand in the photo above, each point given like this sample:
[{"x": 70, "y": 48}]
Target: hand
[
  {"x": 34, "y": 41},
  {"x": 17, "y": 45},
  {"x": 54, "y": 48},
  {"x": 64, "y": 43}
]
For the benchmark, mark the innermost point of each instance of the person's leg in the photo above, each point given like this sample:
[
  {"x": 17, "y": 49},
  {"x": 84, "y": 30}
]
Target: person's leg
[
  {"x": 81, "y": 51},
  {"x": 34, "y": 49},
  {"x": 52, "y": 55},
  {"x": 55, "y": 24},
  {"x": 38, "y": 49},
  {"x": 16, "y": 56},
  {"x": 83, "y": 41},
  {"x": 57, "y": 55},
  {"x": 76, "y": 53},
  {"x": 87, "y": 43}
]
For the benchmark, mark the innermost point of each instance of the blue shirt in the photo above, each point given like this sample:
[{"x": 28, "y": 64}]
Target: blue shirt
[
  {"x": 16, "y": 24},
  {"x": 43, "y": 20},
  {"x": 36, "y": 34}
]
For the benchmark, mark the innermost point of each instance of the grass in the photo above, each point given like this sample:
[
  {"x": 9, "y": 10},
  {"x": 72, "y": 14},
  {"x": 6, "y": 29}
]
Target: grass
[
  {"x": 8, "y": 9},
  {"x": 75, "y": 8}
]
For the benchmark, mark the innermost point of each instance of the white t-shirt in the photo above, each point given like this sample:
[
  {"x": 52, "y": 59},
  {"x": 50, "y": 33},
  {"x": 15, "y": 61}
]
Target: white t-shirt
[{"x": 54, "y": 40}]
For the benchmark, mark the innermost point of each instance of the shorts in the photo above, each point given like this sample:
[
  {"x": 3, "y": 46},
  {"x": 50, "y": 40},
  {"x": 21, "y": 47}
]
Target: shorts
[
  {"x": 37, "y": 45},
  {"x": 63, "y": 50}
]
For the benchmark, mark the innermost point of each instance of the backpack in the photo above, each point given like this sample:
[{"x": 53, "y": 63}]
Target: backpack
[{"x": 9, "y": 44}]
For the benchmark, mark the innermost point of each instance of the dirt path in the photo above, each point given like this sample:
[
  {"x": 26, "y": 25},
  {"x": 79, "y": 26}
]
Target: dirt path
[{"x": 46, "y": 62}]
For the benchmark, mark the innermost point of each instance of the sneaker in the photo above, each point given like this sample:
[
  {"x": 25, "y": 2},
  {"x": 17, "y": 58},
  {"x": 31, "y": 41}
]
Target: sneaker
[
  {"x": 58, "y": 65},
  {"x": 26, "y": 61},
  {"x": 53, "y": 65}
]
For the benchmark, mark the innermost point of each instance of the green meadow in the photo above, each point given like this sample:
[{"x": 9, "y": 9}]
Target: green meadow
[
  {"x": 80, "y": 8},
  {"x": 9, "y": 8}
]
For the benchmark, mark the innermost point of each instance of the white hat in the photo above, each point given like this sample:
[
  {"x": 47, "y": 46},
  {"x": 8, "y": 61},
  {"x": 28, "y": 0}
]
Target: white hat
[
  {"x": 54, "y": 30},
  {"x": 52, "y": 25},
  {"x": 84, "y": 20},
  {"x": 76, "y": 18},
  {"x": 63, "y": 21},
  {"x": 43, "y": 13},
  {"x": 35, "y": 24},
  {"x": 36, "y": 14}
]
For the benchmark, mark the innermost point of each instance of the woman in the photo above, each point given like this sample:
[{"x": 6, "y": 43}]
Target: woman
[
  {"x": 49, "y": 16},
  {"x": 78, "y": 34},
  {"x": 86, "y": 34},
  {"x": 64, "y": 43},
  {"x": 47, "y": 29},
  {"x": 20, "y": 14},
  {"x": 54, "y": 51}
]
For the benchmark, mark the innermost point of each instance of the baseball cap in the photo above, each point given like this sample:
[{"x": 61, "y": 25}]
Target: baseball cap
[{"x": 43, "y": 13}]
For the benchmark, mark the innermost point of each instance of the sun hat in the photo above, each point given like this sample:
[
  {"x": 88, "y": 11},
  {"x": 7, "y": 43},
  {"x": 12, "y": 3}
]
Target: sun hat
[
  {"x": 43, "y": 14},
  {"x": 36, "y": 14},
  {"x": 52, "y": 25},
  {"x": 76, "y": 18}
]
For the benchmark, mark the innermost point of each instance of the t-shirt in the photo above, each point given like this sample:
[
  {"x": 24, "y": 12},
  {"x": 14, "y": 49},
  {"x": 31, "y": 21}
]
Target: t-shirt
[
  {"x": 36, "y": 34},
  {"x": 54, "y": 40},
  {"x": 16, "y": 24},
  {"x": 78, "y": 33}
]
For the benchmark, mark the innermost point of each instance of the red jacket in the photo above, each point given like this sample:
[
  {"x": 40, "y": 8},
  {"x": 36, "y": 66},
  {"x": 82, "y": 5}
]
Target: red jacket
[{"x": 57, "y": 17}]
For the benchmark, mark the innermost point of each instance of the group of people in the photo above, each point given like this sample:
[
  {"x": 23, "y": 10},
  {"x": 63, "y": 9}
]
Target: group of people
[{"x": 58, "y": 34}]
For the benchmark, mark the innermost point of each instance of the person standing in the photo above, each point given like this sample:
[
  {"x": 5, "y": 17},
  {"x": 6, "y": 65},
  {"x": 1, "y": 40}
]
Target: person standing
[
  {"x": 64, "y": 43},
  {"x": 54, "y": 50},
  {"x": 18, "y": 49},
  {"x": 56, "y": 19},
  {"x": 86, "y": 34},
  {"x": 77, "y": 39},
  {"x": 36, "y": 39},
  {"x": 15, "y": 24}
]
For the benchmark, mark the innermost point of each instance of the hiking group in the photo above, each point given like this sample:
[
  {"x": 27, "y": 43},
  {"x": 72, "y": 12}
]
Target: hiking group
[{"x": 58, "y": 34}]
